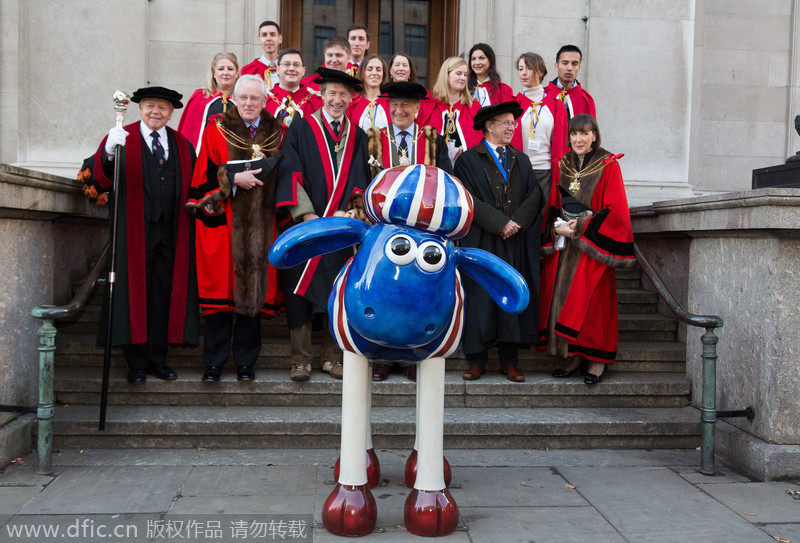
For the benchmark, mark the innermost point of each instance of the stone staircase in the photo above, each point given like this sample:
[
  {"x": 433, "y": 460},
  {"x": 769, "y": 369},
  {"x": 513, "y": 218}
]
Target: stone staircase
[{"x": 642, "y": 401}]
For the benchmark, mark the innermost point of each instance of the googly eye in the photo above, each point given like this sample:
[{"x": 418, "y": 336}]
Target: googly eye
[
  {"x": 431, "y": 256},
  {"x": 401, "y": 249}
]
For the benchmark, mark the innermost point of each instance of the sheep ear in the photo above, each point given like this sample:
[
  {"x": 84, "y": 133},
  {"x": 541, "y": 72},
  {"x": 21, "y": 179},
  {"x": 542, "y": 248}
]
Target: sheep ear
[
  {"x": 503, "y": 283},
  {"x": 310, "y": 239}
]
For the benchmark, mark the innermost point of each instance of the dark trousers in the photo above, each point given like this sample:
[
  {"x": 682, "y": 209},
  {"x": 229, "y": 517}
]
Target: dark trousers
[
  {"x": 507, "y": 352},
  {"x": 217, "y": 339},
  {"x": 159, "y": 261}
]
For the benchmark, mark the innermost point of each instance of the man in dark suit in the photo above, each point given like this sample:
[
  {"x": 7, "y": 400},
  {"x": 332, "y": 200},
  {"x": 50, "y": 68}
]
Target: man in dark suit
[{"x": 156, "y": 296}]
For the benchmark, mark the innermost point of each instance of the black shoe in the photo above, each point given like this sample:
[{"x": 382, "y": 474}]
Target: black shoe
[
  {"x": 163, "y": 372},
  {"x": 410, "y": 372},
  {"x": 245, "y": 373},
  {"x": 592, "y": 379},
  {"x": 562, "y": 373},
  {"x": 212, "y": 374},
  {"x": 137, "y": 377}
]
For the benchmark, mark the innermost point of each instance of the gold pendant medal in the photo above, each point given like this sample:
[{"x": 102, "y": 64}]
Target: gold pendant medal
[
  {"x": 575, "y": 185},
  {"x": 257, "y": 151}
]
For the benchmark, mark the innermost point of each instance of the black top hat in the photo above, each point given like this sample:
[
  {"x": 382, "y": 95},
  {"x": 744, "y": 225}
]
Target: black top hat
[
  {"x": 490, "y": 112},
  {"x": 326, "y": 75},
  {"x": 171, "y": 96},
  {"x": 403, "y": 89}
]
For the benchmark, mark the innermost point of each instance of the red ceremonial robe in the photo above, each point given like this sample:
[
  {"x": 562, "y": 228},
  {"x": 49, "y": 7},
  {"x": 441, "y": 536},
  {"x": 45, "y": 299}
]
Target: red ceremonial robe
[
  {"x": 308, "y": 82},
  {"x": 360, "y": 113},
  {"x": 130, "y": 307},
  {"x": 197, "y": 112},
  {"x": 576, "y": 99},
  {"x": 267, "y": 73},
  {"x": 432, "y": 152},
  {"x": 558, "y": 139},
  {"x": 497, "y": 92},
  {"x": 582, "y": 276},
  {"x": 302, "y": 100},
  {"x": 330, "y": 185},
  {"x": 435, "y": 116},
  {"x": 215, "y": 261}
]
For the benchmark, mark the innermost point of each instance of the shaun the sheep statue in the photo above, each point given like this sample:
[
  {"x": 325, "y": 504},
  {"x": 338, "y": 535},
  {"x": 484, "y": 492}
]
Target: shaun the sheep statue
[{"x": 399, "y": 299}]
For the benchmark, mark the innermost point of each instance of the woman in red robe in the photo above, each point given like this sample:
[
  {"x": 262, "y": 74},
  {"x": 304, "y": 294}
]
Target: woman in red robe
[
  {"x": 484, "y": 83},
  {"x": 578, "y": 303},
  {"x": 213, "y": 99},
  {"x": 368, "y": 109},
  {"x": 452, "y": 110},
  {"x": 542, "y": 130}
]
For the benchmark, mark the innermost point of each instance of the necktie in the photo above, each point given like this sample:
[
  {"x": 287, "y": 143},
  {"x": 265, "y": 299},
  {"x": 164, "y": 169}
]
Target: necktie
[
  {"x": 403, "y": 146},
  {"x": 158, "y": 150},
  {"x": 501, "y": 152},
  {"x": 252, "y": 132},
  {"x": 335, "y": 126}
]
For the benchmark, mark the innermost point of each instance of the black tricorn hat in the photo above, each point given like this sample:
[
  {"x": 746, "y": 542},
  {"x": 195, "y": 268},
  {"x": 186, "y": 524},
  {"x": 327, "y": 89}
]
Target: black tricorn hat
[
  {"x": 171, "y": 96},
  {"x": 403, "y": 89},
  {"x": 326, "y": 75},
  {"x": 490, "y": 112}
]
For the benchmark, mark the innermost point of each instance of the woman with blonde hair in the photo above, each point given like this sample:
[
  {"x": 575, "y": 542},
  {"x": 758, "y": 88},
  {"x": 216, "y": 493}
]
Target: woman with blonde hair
[
  {"x": 452, "y": 110},
  {"x": 213, "y": 99}
]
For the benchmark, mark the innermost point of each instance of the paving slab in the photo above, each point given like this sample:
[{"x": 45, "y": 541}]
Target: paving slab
[
  {"x": 459, "y": 536},
  {"x": 656, "y": 505},
  {"x": 724, "y": 475},
  {"x": 538, "y": 524},
  {"x": 192, "y": 457},
  {"x": 249, "y": 481},
  {"x": 513, "y": 487},
  {"x": 114, "y": 490},
  {"x": 14, "y": 498},
  {"x": 268, "y": 504},
  {"x": 759, "y": 502},
  {"x": 24, "y": 474},
  {"x": 787, "y": 532}
]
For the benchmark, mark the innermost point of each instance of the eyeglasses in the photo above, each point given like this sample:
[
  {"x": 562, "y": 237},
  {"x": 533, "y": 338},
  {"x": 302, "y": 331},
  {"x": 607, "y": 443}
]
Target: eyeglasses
[
  {"x": 291, "y": 65},
  {"x": 508, "y": 124}
]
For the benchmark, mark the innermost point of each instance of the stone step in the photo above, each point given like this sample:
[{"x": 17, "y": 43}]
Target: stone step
[
  {"x": 274, "y": 388},
  {"x": 636, "y": 301},
  {"x": 316, "y": 427},
  {"x": 666, "y": 356}
]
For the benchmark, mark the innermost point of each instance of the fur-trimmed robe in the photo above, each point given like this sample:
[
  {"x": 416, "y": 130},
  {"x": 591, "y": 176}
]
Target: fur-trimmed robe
[
  {"x": 429, "y": 149},
  {"x": 232, "y": 243},
  {"x": 578, "y": 309}
]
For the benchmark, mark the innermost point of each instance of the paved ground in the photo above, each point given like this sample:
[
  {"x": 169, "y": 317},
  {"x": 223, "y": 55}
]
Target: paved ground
[{"x": 503, "y": 496}]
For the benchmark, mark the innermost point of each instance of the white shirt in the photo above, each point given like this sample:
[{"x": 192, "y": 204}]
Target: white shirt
[
  {"x": 482, "y": 93},
  {"x": 539, "y": 151},
  {"x": 162, "y": 137},
  {"x": 273, "y": 75}
]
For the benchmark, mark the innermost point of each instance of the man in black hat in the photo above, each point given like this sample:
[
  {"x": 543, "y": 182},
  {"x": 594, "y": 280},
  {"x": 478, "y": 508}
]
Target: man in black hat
[
  {"x": 405, "y": 142},
  {"x": 156, "y": 295},
  {"x": 507, "y": 223},
  {"x": 402, "y": 143},
  {"x": 324, "y": 169}
]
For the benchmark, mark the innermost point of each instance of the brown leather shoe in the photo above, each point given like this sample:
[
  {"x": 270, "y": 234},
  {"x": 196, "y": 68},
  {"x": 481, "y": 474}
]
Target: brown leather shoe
[
  {"x": 474, "y": 372},
  {"x": 513, "y": 374},
  {"x": 380, "y": 372}
]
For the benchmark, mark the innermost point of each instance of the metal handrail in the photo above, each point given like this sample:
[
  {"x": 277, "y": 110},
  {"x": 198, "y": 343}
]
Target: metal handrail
[
  {"x": 47, "y": 339},
  {"x": 708, "y": 410}
]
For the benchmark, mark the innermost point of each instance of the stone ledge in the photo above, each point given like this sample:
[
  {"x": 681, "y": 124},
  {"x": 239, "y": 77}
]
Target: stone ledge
[
  {"x": 28, "y": 194},
  {"x": 762, "y": 460},
  {"x": 768, "y": 211},
  {"x": 16, "y": 438}
]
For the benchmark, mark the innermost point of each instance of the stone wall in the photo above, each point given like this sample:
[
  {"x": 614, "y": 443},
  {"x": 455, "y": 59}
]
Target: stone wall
[
  {"x": 743, "y": 264},
  {"x": 49, "y": 232}
]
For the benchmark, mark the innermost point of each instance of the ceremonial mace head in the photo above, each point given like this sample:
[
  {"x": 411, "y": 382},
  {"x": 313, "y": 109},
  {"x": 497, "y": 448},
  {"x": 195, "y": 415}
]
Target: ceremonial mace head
[{"x": 121, "y": 100}]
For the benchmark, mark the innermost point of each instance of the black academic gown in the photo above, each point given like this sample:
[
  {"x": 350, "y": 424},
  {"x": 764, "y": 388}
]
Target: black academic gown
[
  {"x": 486, "y": 324},
  {"x": 330, "y": 180}
]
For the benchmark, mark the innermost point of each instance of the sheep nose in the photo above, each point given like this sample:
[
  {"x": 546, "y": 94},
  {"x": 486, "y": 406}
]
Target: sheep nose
[
  {"x": 431, "y": 328},
  {"x": 369, "y": 312}
]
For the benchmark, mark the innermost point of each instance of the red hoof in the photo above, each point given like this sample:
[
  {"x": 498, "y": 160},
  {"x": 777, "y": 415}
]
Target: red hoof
[
  {"x": 411, "y": 470},
  {"x": 350, "y": 511},
  {"x": 430, "y": 513},
  {"x": 373, "y": 469}
]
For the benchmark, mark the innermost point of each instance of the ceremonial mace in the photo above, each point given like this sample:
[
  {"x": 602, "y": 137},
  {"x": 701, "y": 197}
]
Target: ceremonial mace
[{"x": 121, "y": 100}]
